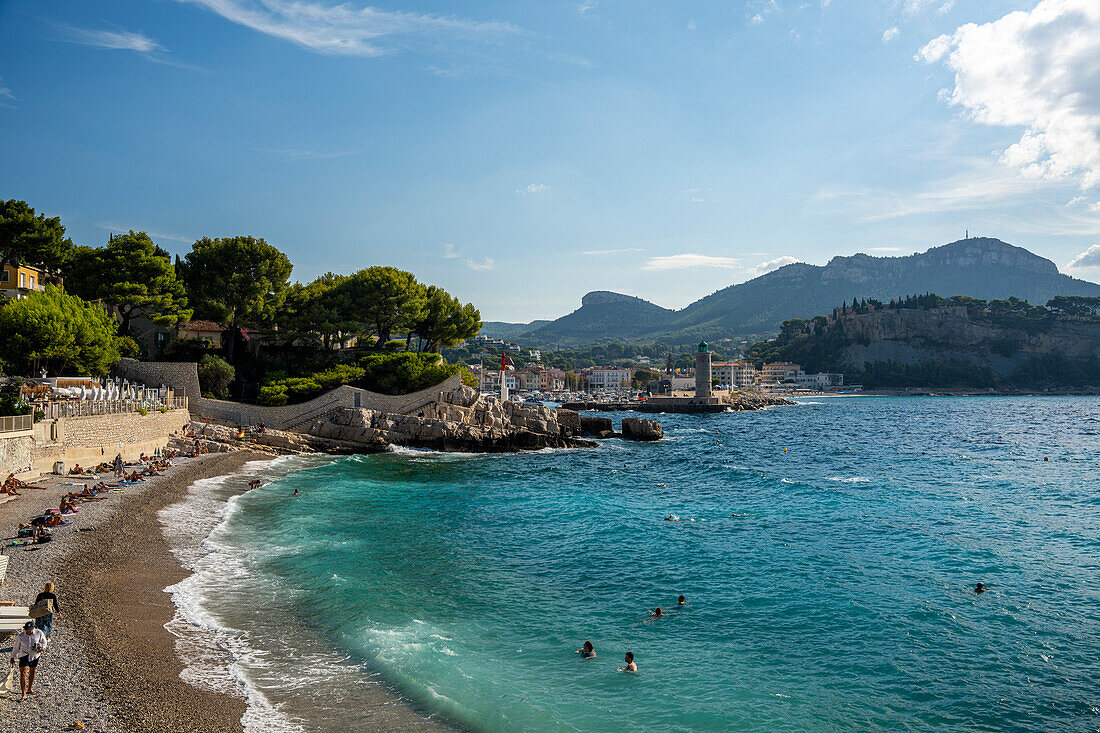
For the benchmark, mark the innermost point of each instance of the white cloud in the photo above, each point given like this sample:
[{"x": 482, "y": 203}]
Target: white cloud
[
  {"x": 5, "y": 93},
  {"x": 1087, "y": 260},
  {"x": 685, "y": 261},
  {"x": 757, "y": 11},
  {"x": 771, "y": 265},
  {"x": 593, "y": 252},
  {"x": 691, "y": 25},
  {"x": 694, "y": 195},
  {"x": 890, "y": 34},
  {"x": 884, "y": 249},
  {"x": 116, "y": 40},
  {"x": 532, "y": 188},
  {"x": 449, "y": 252},
  {"x": 346, "y": 30},
  {"x": 946, "y": 8},
  {"x": 1036, "y": 70},
  {"x": 485, "y": 264},
  {"x": 586, "y": 6}
]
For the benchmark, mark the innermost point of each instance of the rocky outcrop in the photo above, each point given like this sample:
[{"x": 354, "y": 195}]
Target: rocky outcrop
[
  {"x": 600, "y": 427},
  {"x": 636, "y": 428},
  {"x": 754, "y": 400},
  {"x": 462, "y": 421}
]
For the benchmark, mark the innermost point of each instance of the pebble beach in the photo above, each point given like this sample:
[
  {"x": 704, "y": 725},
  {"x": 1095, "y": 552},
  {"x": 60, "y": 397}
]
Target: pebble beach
[{"x": 111, "y": 664}]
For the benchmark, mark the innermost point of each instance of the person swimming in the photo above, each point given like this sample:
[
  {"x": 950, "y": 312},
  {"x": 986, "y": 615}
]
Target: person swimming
[
  {"x": 682, "y": 601},
  {"x": 980, "y": 588},
  {"x": 630, "y": 665},
  {"x": 656, "y": 613},
  {"x": 587, "y": 651},
  {"x": 295, "y": 492}
]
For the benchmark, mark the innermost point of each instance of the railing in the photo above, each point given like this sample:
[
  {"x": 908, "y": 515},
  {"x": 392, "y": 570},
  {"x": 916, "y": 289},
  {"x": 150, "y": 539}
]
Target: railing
[
  {"x": 16, "y": 423},
  {"x": 83, "y": 408}
]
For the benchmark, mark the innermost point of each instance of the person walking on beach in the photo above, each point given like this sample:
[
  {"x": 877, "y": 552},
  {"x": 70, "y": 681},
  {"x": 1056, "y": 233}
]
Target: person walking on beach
[
  {"x": 27, "y": 649},
  {"x": 119, "y": 468},
  {"x": 45, "y": 623}
]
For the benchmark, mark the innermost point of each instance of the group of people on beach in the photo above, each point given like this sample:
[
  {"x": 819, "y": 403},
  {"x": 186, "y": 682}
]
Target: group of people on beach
[{"x": 587, "y": 651}]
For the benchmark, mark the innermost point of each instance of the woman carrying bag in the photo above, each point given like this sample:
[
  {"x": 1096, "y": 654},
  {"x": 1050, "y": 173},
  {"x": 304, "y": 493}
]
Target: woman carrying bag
[{"x": 45, "y": 606}]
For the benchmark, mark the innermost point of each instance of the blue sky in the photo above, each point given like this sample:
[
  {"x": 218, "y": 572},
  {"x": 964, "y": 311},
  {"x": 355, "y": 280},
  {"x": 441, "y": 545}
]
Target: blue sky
[{"x": 522, "y": 154}]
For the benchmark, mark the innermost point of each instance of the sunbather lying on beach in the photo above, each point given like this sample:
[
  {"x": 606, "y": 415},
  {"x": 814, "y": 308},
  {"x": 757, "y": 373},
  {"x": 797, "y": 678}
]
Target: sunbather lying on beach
[{"x": 76, "y": 470}]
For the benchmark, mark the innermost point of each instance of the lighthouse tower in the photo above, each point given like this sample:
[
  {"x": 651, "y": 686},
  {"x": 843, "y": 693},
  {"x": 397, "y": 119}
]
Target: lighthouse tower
[{"x": 703, "y": 374}]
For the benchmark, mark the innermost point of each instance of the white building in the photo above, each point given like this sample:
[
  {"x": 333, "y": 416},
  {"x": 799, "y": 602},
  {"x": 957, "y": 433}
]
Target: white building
[
  {"x": 490, "y": 381},
  {"x": 609, "y": 377},
  {"x": 821, "y": 380},
  {"x": 735, "y": 374}
]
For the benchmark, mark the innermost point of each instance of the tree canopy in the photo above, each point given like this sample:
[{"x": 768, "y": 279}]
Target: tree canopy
[
  {"x": 385, "y": 300},
  {"x": 129, "y": 273},
  {"x": 58, "y": 332},
  {"x": 29, "y": 239},
  {"x": 445, "y": 321},
  {"x": 236, "y": 280}
]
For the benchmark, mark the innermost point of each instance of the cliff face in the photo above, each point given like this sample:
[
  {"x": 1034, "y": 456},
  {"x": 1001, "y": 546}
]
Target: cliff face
[{"x": 911, "y": 336}]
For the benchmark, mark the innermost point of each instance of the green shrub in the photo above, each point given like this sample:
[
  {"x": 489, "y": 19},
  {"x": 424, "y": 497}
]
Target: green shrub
[
  {"x": 404, "y": 372},
  {"x": 215, "y": 375},
  {"x": 142, "y": 411},
  {"x": 273, "y": 394}
]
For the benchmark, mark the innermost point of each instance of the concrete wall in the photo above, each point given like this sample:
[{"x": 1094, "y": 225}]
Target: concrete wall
[
  {"x": 183, "y": 378},
  {"x": 88, "y": 440}
]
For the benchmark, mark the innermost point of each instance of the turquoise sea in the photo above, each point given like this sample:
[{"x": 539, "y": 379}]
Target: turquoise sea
[{"x": 417, "y": 586}]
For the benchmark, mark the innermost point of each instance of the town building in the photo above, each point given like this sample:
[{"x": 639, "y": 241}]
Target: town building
[
  {"x": 779, "y": 372},
  {"x": 552, "y": 380},
  {"x": 820, "y": 381},
  {"x": 528, "y": 379},
  {"x": 490, "y": 381},
  {"x": 734, "y": 374},
  {"x": 19, "y": 281},
  {"x": 609, "y": 377}
]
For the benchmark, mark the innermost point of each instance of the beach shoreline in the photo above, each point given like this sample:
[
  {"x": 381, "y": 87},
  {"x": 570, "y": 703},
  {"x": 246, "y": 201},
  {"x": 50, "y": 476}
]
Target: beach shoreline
[{"x": 112, "y": 664}]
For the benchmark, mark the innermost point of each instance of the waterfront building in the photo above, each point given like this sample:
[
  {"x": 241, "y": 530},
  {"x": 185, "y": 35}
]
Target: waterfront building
[
  {"x": 528, "y": 379},
  {"x": 19, "y": 281},
  {"x": 552, "y": 380},
  {"x": 778, "y": 372},
  {"x": 609, "y": 377},
  {"x": 734, "y": 374},
  {"x": 490, "y": 381}
]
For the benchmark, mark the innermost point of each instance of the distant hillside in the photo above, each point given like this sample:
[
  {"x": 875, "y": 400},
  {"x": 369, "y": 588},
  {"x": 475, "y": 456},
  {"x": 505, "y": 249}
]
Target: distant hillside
[
  {"x": 929, "y": 341},
  {"x": 508, "y": 331},
  {"x": 979, "y": 267},
  {"x": 603, "y": 315}
]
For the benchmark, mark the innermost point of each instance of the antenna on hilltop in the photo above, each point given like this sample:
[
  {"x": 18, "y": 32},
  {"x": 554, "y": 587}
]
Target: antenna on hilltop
[{"x": 967, "y": 234}]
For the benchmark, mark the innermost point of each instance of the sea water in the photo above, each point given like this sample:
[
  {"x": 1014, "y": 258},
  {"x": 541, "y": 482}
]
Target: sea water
[{"x": 828, "y": 550}]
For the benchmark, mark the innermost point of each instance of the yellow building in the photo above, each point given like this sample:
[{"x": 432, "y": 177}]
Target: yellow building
[{"x": 18, "y": 281}]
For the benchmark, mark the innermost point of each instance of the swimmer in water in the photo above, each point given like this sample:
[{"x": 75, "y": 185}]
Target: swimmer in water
[
  {"x": 979, "y": 588},
  {"x": 682, "y": 601},
  {"x": 295, "y": 492},
  {"x": 587, "y": 651},
  {"x": 630, "y": 666},
  {"x": 656, "y": 613}
]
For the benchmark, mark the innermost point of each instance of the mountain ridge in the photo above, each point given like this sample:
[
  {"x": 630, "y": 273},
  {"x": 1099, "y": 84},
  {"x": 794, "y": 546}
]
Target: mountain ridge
[{"x": 981, "y": 267}]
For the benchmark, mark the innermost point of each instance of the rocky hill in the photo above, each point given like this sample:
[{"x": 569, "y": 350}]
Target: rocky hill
[
  {"x": 932, "y": 342},
  {"x": 979, "y": 267}
]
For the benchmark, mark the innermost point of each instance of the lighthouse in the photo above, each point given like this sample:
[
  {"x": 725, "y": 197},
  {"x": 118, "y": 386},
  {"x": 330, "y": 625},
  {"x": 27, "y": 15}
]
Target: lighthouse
[{"x": 703, "y": 374}]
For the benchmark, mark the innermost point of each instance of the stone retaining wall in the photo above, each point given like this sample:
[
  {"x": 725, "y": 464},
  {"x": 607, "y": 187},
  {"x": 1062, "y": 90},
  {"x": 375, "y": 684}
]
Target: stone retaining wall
[{"x": 183, "y": 377}]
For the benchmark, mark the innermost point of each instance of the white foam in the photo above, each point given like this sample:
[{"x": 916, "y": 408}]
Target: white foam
[
  {"x": 851, "y": 479},
  {"x": 215, "y": 656}
]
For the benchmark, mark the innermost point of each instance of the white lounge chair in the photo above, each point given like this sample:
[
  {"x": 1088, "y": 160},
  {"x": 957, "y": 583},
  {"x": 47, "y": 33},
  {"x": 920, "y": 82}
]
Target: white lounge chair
[
  {"x": 3, "y": 568},
  {"x": 7, "y": 612}
]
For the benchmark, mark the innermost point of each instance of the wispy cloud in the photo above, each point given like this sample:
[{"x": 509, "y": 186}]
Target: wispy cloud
[
  {"x": 981, "y": 184},
  {"x": 688, "y": 260},
  {"x": 111, "y": 226},
  {"x": 587, "y": 7},
  {"x": 595, "y": 252},
  {"x": 115, "y": 40},
  {"x": 485, "y": 264},
  {"x": 890, "y": 34},
  {"x": 342, "y": 29},
  {"x": 449, "y": 252},
  {"x": 694, "y": 195},
  {"x": 532, "y": 188},
  {"x": 5, "y": 94},
  {"x": 757, "y": 11},
  {"x": 771, "y": 265},
  {"x": 1087, "y": 260},
  {"x": 885, "y": 249},
  {"x": 290, "y": 154}
]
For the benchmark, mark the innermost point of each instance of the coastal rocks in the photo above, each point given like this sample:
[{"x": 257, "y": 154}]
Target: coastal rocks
[
  {"x": 569, "y": 421},
  {"x": 636, "y": 428},
  {"x": 598, "y": 426},
  {"x": 754, "y": 401}
]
